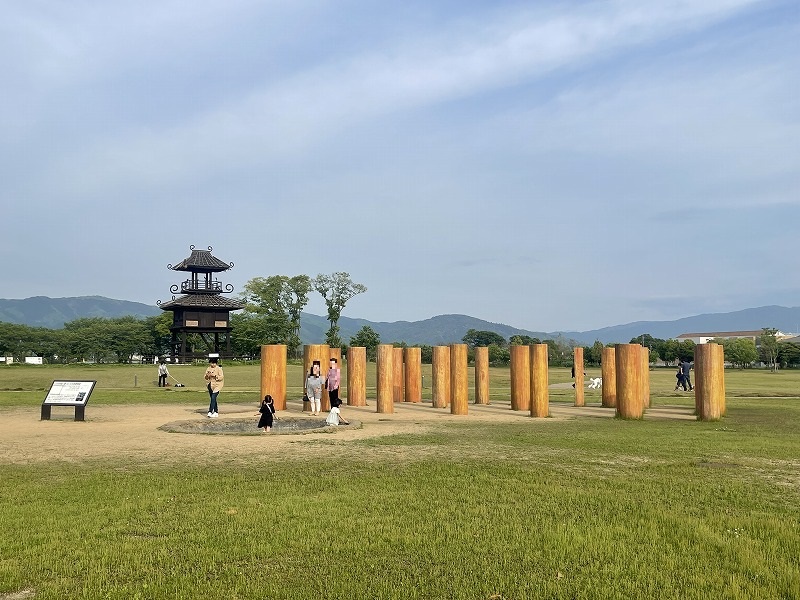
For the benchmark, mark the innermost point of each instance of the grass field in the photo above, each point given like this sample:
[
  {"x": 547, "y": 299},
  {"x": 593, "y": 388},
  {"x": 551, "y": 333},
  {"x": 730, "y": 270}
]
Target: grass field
[{"x": 575, "y": 508}]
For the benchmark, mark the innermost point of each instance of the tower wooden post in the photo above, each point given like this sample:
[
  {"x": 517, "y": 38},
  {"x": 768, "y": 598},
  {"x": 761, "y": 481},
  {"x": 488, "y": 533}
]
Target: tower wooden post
[
  {"x": 520, "y": 377},
  {"x": 459, "y": 380},
  {"x": 312, "y": 352},
  {"x": 440, "y": 377},
  {"x": 577, "y": 364},
  {"x": 540, "y": 400},
  {"x": 385, "y": 374},
  {"x": 413, "y": 374},
  {"x": 629, "y": 385},
  {"x": 273, "y": 374},
  {"x": 608, "y": 373},
  {"x": 482, "y": 375},
  {"x": 356, "y": 376}
]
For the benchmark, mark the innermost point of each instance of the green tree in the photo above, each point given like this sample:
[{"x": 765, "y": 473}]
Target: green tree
[
  {"x": 668, "y": 350},
  {"x": 296, "y": 293},
  {"x": 768, "y": 347},
  {"x": 336, "y": 289},
  {"x": 789, "y": 354},
  {"x": 474, "y": 338},
  {"x": 740, "y": 352},
  {"x": 369, "y": 339},
  {"x": 268, "y": 298},
  {"x": 523, "y": 340},
  {"x": 686, "y": 350},
  {"x": 499, "y": 356},
  {"x": 595, "y": 353}
]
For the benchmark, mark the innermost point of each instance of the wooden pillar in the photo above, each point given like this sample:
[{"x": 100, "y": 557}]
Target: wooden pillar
[
  {"x": 482, "y": 375},
  {"x": 629, "y": 385},
  {"x": 540, "y": 394},
  {"x": 273, "y": 374},
  {"x": 719, "y": 359},
  {"x": 440, "y": 377},
  {"x": 709, "y": 386},
  {"x": 459, "y": 380},
  {"x": 385, "y": 385},
  {"x": 312, "y": 352},
  {"x": 520, "y": 377},
  {"x": 397, "y": 375},
  {"x": 356, "y": 376},
  {"x": 608, "y": 368},
  {"x": 413, "y": 374},
  {"x": 577, "y": 364}
]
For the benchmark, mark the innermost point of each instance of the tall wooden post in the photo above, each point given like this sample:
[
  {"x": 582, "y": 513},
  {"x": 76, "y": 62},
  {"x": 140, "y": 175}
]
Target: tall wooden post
[
  {"x": 413, "y": 374},
  {"x": 356, "y": 376},
  {"x": 540, "y": 400},
  {"x": 312, "y": 352},
  {"x": 482, "y": 375},
  {"x": 629, "y": 385},
  {"x": 709, "y": 382},
  {"x": 577, "y": 364},
  {"x": 440, "y": 377},
  {"x": 385, "y": 376},
  {"x": 719, "y": 359},
  {"x": 273, "y": 374},
  {"x": 397, "y": 375},
  {"x": 608, "y": 372},
  {"x": 459, "y": 380},
  {"x": 520, "y": 377}
]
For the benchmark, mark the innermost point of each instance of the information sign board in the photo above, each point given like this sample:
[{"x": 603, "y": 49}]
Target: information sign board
[{"x": 68, "y": 393}]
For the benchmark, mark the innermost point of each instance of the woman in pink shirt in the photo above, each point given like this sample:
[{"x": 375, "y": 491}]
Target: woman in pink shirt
[{"x": 332, "y": 382}]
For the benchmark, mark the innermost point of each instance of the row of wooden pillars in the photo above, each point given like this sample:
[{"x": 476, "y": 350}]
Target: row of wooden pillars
[
  {"x": 625, "y": 371},
  {"x": 529, "y": 379}
]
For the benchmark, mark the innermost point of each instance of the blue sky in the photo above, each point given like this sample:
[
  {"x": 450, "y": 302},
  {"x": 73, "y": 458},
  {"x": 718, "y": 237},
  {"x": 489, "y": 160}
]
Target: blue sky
[{"x": 549, "y": 165}]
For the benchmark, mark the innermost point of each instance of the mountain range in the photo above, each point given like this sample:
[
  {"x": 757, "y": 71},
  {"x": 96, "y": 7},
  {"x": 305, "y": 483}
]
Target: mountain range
[{"x": 41, "y": 311}]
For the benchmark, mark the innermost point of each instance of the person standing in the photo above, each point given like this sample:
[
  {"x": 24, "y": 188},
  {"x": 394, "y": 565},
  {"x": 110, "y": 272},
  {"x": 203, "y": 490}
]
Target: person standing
[
  {"x": 332, "y": 382},
  {"x": 163, "y": 372},
  {"x": 686, "y": 368},
  {"x": 267, "y": 410},
  {"x": 314, "y": 384},
  {"x": 215, "y": 377}
]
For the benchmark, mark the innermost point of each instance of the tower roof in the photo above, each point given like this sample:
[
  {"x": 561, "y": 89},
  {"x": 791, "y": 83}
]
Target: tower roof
[
  {"x": 202, "y": 301},
  {"x": 201, "y": 261}
]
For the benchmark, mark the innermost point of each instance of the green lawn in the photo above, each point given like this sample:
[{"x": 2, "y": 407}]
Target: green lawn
[{"x": 585, "y": 508}]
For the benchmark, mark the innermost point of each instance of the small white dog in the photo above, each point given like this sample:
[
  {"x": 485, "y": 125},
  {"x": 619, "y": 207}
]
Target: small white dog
[{"x": 595, "y": 383}]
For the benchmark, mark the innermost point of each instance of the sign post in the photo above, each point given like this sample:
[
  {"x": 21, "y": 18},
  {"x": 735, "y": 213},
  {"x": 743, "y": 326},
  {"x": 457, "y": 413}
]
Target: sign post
[{"x": 68, "y": 393}]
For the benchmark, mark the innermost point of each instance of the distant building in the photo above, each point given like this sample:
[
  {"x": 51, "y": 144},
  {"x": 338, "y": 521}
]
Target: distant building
[{"x": 703, "y": 338}]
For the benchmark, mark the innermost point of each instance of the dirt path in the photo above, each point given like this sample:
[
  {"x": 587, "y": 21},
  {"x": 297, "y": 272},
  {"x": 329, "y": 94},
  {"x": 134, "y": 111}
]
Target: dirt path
[{"x": 131, "y": 434}]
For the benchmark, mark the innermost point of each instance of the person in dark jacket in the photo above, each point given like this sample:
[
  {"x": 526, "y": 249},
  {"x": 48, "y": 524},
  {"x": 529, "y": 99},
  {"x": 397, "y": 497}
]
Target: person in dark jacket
[
  {"x": 267, "y": 410},
  {"x": 686, "y": 368}
]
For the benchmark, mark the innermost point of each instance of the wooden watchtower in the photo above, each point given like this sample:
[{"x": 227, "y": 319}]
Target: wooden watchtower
[{"x": 201, "y": 317}]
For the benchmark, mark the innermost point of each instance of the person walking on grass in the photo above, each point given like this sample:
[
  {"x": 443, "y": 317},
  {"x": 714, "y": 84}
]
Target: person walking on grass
[
  {"x": 215, "y": 378},
  {"x": 314, "y": 388},
  {"x": 163, "y": 373},
  {"x": 686, "y": 368},
  {"x": 267, "y": 411}
]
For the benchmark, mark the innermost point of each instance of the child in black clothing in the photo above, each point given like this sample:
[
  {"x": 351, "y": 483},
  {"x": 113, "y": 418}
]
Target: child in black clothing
[
  {"x": 679, "y": 377},
  {"x": 267, "y": 410}
]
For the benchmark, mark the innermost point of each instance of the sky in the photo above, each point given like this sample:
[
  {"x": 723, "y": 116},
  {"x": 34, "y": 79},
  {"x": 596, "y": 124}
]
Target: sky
[{"x": 550, "y": 165}]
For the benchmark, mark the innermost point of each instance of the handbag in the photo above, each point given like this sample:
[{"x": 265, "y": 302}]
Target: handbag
[{"x": 305, "y": 398}]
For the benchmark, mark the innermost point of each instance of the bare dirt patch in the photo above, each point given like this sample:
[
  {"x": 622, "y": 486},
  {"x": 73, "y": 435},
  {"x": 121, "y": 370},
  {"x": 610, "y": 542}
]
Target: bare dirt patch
[{"x": 131, "y": 433}]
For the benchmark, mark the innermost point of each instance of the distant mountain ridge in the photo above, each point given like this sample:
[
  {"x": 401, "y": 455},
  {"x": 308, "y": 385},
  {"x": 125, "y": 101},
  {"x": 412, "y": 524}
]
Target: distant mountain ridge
[{"x": 41, "y": 311}]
